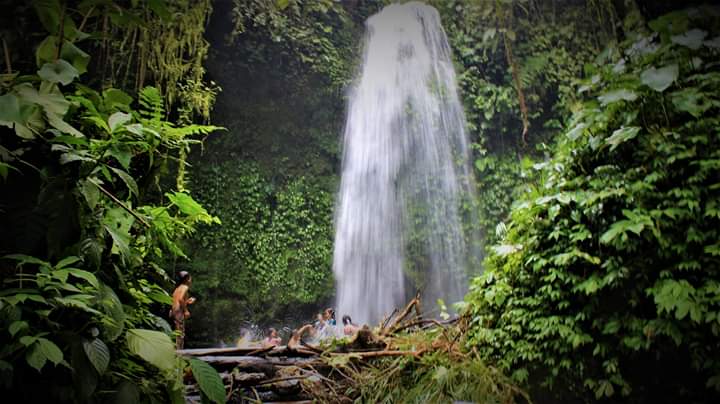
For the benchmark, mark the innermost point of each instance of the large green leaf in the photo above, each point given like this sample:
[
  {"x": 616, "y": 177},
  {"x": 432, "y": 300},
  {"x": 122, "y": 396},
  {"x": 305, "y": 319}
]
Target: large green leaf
[
  {"x": 118, "y": 223},
  {"x": 209, "y": 381},
  {"x": 122, "y": 154},
  {"x": 90, "y": 192},
  {"x": 190, "y": 207},
  {"x": 691, "y": 100},
  {"x": 127, "y": 179},
  {"x": 47, "y": 50},
  {"x": 41, "y": 351},
  {"x": 57, "y": 122},
  {"x": 85, "y": 376},
  {"x": 186, "y": 203},
  {"x": 23, "y": 259},
  {"x": 692, "y": 39},
  {"x": 617, "y": 95},
  {"x": 121, "y": 240},
  {"x": 113, "y": 323},
  {"x": 98, "y": 354},
  {"x": 49, "y": 12},
  {"x": 59, "y": 71},
  {"x": 17, "y": 326},
  {"x": 49, "y": 97},
  {"x": 153, "y": 346},
  {"x": 79, "y": 273},
  {"x": 622, "y": 135},
  {"x": 118, "y": 119},
  {"x": 116, "y": 99},
  {"x": 660, "y": 79},
  {"x": 9, "y": 110}
]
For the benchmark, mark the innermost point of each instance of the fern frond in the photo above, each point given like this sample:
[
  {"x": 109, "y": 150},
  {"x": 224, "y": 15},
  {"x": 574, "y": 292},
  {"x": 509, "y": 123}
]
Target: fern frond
[
  {"x": 190, "y": 130},
  {"x": 152, "y": 103}
]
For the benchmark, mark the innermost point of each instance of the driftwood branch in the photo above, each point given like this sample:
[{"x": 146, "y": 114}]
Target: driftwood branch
[
  {"x": 377, "y": 354},
  {"x": 397, "y": 320}
]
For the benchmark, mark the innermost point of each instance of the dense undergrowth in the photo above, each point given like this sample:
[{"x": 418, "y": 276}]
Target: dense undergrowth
[
  {"x": 284, "y": 68},
  {"x": 87, "y": 224},
  {"x": 606, "y": 282},
  {"x": 271, "y": 254}
]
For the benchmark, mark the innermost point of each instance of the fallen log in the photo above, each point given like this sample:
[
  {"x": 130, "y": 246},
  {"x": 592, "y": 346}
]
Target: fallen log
[
  {"x": 222, "y": 351},
  {"x": 248, "y": 379},
  {"x": 376, "y": 354},
  {"x": 299, "y": 371}
]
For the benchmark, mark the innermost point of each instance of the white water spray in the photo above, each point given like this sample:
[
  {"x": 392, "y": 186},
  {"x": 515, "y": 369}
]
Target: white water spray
[{"x": 404, "y": 171}]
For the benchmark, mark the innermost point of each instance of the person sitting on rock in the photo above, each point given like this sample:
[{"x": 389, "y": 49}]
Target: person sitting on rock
[
  {"x": 329, "y": 316},
  {"x": 273, "y": 339},
  {"x": 297, "y": 336},
  {"x": 319, "y": 324},
  {"x": 348, "y": 327}
]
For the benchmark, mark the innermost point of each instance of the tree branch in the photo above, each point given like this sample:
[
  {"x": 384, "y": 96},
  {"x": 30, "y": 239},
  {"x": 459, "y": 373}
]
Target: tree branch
[
  {"x": 7, "y": 56},
  {"x": 61, "y": 32},
  {"x": 122, "y": 205}
]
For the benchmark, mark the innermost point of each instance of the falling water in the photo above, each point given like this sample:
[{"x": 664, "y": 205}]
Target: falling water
[{"x": 404, "y": 171}]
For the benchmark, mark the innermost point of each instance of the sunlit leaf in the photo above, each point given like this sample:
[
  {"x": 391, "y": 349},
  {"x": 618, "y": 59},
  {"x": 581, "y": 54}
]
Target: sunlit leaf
[
  {"x": 127, "y": 179},
  {"x": 659, "y": 79},
  {"x": 622, "y": 135},
  {"x": 98, "y": 354},
  {"x": 692, "y": 39},
  {"x": 59, "y": 71},
  {"x": 208, "y": 380},
  {"x": 90, "y": 192},
  {"x": 691, "y": 100},
  {"x": 153, "y": 346},
  {"x": 118, "y": 119},
  {"x": 617, "y": 95}
]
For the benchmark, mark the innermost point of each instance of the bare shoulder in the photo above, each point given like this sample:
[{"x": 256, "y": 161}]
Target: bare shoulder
[{"x": 180, "y": 290}]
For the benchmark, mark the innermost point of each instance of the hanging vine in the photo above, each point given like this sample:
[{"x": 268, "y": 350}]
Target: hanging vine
[
  {"x": 505, "y": 19},
  {"x": 159, "y": 44}
]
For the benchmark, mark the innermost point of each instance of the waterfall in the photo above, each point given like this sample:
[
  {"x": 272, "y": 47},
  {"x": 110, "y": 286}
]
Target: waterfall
[{"x": 405, "y": 175}]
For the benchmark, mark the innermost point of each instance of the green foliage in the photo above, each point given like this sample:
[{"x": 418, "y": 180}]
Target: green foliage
[
  {"x": 549, "y": 48},
  {"x": 76, "y": 203},
  {"x": 549, "y": 43},
  {"x": 314, "y": 36},
  {"x": 610, "y": 267},
  {"x": 501, "y": 180},
  {"x": 153, "y": 346},
  {"x": 276, "y": 242},
  {"x": 441, "y": 374},
  {"x": 209, "y": 381}
]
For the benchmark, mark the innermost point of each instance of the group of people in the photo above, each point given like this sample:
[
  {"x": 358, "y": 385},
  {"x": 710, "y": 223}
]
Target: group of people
[{"x": 324, "y": 326}]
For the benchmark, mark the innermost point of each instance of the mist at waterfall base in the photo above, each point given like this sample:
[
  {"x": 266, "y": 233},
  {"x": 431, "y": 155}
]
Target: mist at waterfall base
[{"x": 405, "y": 189}]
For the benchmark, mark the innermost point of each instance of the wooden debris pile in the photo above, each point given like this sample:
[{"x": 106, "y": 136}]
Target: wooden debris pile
[{"x": 301, "y": 372}]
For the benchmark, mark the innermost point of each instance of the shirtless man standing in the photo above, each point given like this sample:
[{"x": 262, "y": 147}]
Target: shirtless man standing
[{"x": 180, "y": 312}]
